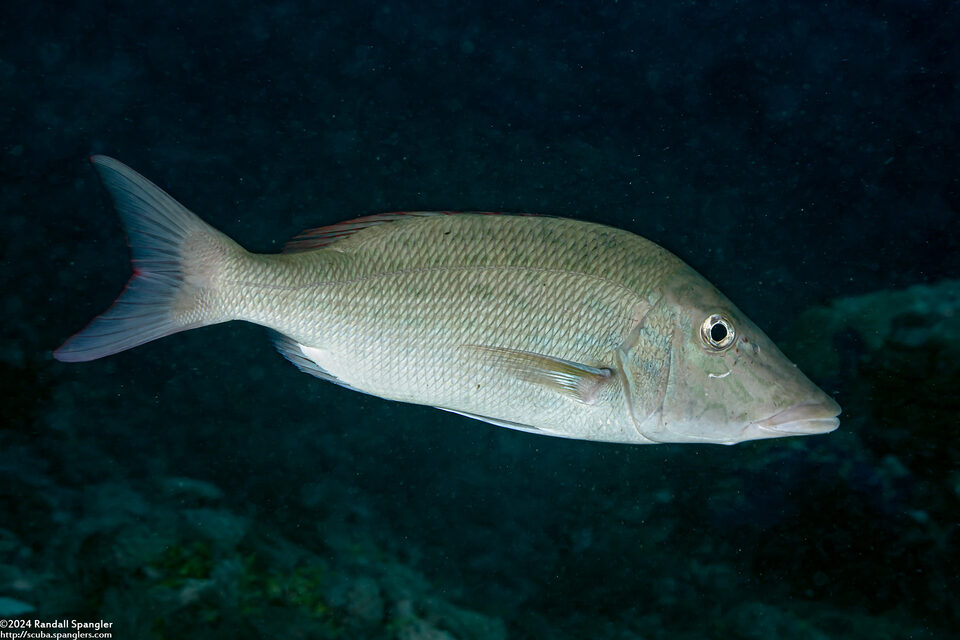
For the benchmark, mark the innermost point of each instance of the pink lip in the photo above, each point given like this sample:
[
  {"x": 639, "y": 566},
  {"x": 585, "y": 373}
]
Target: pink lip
[{"x": 806, "y": 418}]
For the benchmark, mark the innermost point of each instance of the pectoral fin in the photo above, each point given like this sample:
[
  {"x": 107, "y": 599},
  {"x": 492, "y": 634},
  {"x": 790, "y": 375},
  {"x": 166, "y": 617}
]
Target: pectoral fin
[{"x": 576, "y": 380}]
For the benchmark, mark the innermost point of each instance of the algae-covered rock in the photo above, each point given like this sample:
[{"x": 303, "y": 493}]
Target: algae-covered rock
[
  {"x": 915, "y": 375},
  {"x": 759, "y": 621},
  {"x": 896, "y": 355},
  {"x": 223, "y": 527},
  {"x": 190, "y": 490},
  {"x": 10, "y": 544},
  {"x": 359, "y": 597},
  {"x": 10, "y": 607},
  {"x": 822, "y": 337},
  {"x": 136, "y": 545},
  {"x": 422, "y": 630},
  {"x": 417, "y": 613},
  {"x": 894, "y": 358}
]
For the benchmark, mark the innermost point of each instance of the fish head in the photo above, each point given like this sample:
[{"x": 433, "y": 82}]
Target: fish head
[{"x": 722, "y": 379}]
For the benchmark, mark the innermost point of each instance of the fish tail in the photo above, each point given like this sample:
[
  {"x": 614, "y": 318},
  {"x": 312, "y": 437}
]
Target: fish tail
[{"x": 177, "y": 261}]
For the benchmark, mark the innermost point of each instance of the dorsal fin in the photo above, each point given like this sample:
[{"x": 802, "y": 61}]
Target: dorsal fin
[{"x": 323, "y": 236}]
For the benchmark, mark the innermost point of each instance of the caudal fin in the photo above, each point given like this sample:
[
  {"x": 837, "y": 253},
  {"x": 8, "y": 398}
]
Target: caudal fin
[{"x": 176, "y": 258}]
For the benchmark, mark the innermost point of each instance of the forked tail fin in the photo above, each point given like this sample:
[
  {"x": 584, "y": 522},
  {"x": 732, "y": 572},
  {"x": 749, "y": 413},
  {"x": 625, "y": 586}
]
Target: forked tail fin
[{"x": 176, "y": 260}]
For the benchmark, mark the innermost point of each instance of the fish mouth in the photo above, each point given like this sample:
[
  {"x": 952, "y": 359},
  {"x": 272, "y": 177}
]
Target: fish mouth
[{"x": 803, "y": 419}]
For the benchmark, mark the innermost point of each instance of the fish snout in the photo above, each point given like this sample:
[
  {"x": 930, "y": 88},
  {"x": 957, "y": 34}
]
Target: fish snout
[{"x": 803, "y": 419}]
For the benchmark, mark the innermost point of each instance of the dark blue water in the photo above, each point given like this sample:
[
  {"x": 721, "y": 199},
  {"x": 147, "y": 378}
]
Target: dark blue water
[{"x": 797, "y": 154}]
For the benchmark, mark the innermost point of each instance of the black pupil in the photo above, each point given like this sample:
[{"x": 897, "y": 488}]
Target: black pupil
[{"x": 718, "y": 332}]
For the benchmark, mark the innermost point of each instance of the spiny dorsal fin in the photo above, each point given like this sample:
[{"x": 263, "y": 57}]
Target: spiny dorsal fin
[
  {"x": 323, "y": 236},
  {"x": 576, "y": 380}
]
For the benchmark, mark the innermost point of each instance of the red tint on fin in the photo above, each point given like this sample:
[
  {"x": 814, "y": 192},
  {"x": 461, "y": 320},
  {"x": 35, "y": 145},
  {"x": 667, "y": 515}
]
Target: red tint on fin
[
  {"x": 162, "y": 297},
  {"x": 324, "y": 236}
]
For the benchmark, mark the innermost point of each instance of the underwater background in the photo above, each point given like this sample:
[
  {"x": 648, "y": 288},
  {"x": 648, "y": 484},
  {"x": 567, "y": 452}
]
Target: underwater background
[{"x": 803, "y": 156}]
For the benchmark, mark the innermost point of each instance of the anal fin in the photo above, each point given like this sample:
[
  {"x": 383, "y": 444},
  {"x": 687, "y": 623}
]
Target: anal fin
[{"x": 295, "y": 352}]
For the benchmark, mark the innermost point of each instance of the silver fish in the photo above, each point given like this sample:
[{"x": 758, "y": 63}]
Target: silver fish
[{"x": 548, "y": 325}]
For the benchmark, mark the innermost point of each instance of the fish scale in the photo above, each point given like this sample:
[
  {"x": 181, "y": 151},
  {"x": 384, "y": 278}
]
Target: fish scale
[
  {"x": 549, "y": 325},
  {"x": 397, "y": 319}
]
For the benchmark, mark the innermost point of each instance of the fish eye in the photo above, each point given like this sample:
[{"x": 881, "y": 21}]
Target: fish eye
[{"x": 717, "y": 332}]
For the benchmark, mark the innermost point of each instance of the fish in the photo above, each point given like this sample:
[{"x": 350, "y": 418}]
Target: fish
[{"x": 547, "y": 325}]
